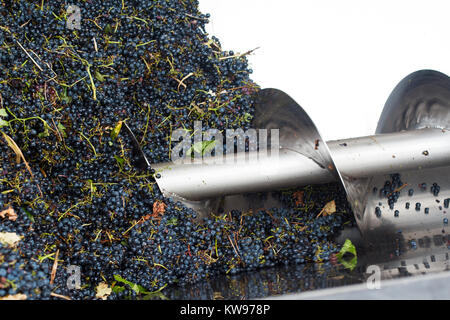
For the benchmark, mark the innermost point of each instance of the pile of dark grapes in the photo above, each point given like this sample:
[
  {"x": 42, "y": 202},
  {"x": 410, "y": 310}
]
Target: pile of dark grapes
[{"x": 68, "y": 187}]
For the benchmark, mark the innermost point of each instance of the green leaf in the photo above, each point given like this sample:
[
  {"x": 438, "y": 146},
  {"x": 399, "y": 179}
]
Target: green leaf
[
  {"x": 65, "y": 98},
  {"x": 30, "y": 216},
  {"x": 201, "y": 147},
  {"x": 44, "y": 133},
  {"x": 247, "y": 117},
  {"x": 62, "y": 129},
  {"x": 135, "y": 287},
  {"x": 208, "y": 146},
  {"x": 196, "y": 147},
  {"x": 118, "y": 289},
  {"x": 3, "y": 123},
  {"x": 99, "y": 76},
  {"x": 108, "y": 29},
  {"x": 116, "y": 131},
  {"x": 120, "y": 161},
  {"x": 3, "y": 113},
  {"x": 348, "y": 247},
  {"x": 120, "y": 279},
  {"x": 173, "y": 221}
]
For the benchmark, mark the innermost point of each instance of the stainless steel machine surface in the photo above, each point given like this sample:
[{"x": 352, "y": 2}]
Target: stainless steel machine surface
[{"x": 403, "y": 228}]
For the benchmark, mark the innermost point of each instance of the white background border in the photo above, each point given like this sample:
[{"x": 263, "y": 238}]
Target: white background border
[{"x": 339, "y": 60}]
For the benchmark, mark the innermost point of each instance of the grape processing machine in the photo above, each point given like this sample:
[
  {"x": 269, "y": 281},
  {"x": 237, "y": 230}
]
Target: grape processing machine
[{"x": 409, "y": 220}]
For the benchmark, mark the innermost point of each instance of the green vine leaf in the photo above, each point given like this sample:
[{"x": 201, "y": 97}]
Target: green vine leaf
[
  {"x": 118, "y": 289},
  {"x": 201, "y": 147},
  {"x": 120, "y": 162},
  {"x": 348, "y": 247},
  {"x": 99, "y": 76},
  {"x": 135, "y": 287},
  {"x": 247, "y": 117},
  {"x": 62, "y": 129},
  {"x": 65, "y": 98},
  {"x": 115, "y": 132}
]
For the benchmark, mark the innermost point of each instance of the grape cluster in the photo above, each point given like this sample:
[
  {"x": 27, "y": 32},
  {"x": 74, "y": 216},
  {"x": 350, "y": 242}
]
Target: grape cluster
[
  {"x": 67, "y": 173},
  {"x": 21, "y": 272}
]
